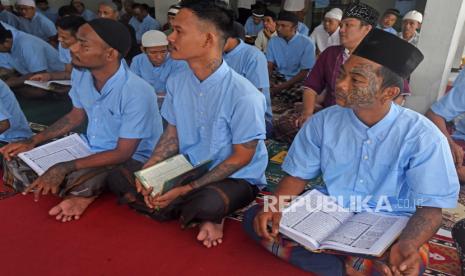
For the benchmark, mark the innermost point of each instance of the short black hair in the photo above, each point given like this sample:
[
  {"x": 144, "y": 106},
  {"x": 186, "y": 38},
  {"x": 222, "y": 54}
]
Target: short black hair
[
  {"x": 144, "y": 6},
  {"x": 395, "y": 12},
  {"x": 4, "y": 34},
  {"x": 71, "y": 23},
  {"x": 82, "y": 3},
  {"x": 67, "y": 11},
  {"x": 390, "y": 79},
  {"x": 41, "y": 1},
  {"x": 270, "y": 14},
  {"x": 214, "y": 12}
]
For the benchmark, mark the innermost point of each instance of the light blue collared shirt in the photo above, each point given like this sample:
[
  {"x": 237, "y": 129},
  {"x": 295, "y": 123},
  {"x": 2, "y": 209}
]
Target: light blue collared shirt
[
  {"x": 403, "y": 159},
  {"x": 11, "y": 111},
  {"x": 452, "y": 105},
  {"x": 64, "y": 54},
  {"x": 251, "y": 28},
  {"x": 251, "y": 63},
  {"x": 88, "y": 15},
  {"x": 213, "y": 115},
  {"x": 291, "y": 57},
  {"x": 389, "y": 30},
  {"x": 50, "y": 13},
  {"x": 149, "y": 23},
  {"x": 126, "y": 107},
  {"x": 39, "y": 26},
  {"x": 9, "y": 18},
  {"x": 155, "y": 75},
  {"x": 303, "y": 29},
  {"x": 30, "y": 54}
]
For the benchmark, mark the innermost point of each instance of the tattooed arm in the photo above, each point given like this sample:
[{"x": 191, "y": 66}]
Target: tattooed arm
[
  {"x": 167, "y": 146},
  {"x": 241, "y": 156},
  {"x": 404, "y": 258},
  {"x": 64, "y": 125}
]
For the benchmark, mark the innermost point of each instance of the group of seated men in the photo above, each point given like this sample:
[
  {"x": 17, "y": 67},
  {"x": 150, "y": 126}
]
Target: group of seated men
[{"x": 214, "y": 95}]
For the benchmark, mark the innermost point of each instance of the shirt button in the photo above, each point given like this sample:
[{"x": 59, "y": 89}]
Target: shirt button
[
  {"x": 201, "y": 94},
  {"x": 365, "y": 157},
  {"x": 368, "y": 142},
  {"x": 361, "y": 180}
]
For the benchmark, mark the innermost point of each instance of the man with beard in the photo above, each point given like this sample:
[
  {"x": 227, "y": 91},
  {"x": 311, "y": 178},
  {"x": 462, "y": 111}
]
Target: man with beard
[{"x": 123, "y": 120}]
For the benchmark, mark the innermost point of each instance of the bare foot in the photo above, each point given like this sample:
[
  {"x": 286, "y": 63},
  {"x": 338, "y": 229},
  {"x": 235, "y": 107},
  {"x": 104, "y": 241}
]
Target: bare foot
[
  {"x": 210, "y": 234},
  {"x": 71, "y": 208}
]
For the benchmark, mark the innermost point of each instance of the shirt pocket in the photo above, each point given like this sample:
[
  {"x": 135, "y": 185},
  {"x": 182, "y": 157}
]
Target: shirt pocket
[{"x": 112, "y": 122}]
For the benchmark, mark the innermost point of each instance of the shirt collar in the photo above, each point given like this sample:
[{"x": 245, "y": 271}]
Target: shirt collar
[
  {"x": 236, "y": 49},
  {"x": 114, "y": 80},
  {"x": 215, "y": 78},
  {"x": 380, "y": 129}
]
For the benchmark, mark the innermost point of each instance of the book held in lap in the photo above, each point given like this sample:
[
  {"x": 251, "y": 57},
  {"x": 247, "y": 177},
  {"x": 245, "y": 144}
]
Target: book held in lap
[
  {"x": 173, "y": 172},
  {"x": 309, "y": 221}
]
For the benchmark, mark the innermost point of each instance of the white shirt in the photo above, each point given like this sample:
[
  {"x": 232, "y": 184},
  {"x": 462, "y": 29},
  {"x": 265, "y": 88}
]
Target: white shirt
[
  {"x": 245, "y": 4},
  {"x": 323, "y": 40},
  {"x": 262, "y": 41},
  {"x": 294, "y": 5}
]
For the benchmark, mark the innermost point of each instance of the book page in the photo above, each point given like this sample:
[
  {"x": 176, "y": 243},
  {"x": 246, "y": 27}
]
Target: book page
[
  {"x": 40, "y": 84},
  {"x": 367, "y": 233},
  {"x": 65, "y": 149},
  {"x": 157, "y": 175},
  {"x": 309, "y": 219}
]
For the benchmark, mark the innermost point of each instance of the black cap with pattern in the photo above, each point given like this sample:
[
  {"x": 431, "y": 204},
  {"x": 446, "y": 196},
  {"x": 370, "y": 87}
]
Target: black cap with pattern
[{"x": 362, "y": 12}]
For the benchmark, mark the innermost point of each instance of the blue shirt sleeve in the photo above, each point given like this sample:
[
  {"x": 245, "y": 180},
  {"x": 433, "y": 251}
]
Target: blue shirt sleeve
[
  {"x": 4, "y": 114},
  {"x": 74, "y": 93},
  {"x": 452, "y": 104},
  {"x": 35, "y": 57},
  {"x": 48, "y": 27},
  {"x": 431, "y": 176},
  {"x": 167, "y": 108},
  {"x": 250, "y": 109},
  {"x": 139, "y": 113},
  {"x": 308, "y": 59},
  {"x": 257, "y": 71},
  {"x": 303, "y": 160},
  {"x": 135, "y": 66},
  {"x": 270, "y": 56}
]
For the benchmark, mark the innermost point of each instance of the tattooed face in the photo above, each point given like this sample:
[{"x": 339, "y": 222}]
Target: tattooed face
[{"x": 358, "y": 84}]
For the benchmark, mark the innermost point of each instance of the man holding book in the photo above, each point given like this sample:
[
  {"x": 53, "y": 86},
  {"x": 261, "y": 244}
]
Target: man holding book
[
  {"x": 370, "y": 148},
  {"x": 213, "y": 113},
  {"x": 123, "y": 120}
]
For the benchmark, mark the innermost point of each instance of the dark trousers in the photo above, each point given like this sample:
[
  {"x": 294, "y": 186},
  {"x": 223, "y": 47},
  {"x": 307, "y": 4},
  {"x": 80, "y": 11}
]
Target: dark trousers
[
  {"x": 211, "y": 203},
  {"x": 458, "y": 234}
]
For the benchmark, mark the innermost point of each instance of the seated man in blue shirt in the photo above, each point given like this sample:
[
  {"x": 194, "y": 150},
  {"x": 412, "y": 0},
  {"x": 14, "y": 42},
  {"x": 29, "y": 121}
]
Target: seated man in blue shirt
[
  {"x": 87, "y": 14},
  {"x": 254, "y": 24},
  {"x": 67, "y": 28},
  {"x": 213, "y": 113},
  {"x": 44, "y": 8},
  {"x": 369, "y": 148},
  {"x": 251, "y": 63},
  {"x": 13, "y": 123},
  {"x": 27, "y": 55},
  {"x": 35, "y": 23},
  {"x": 141, "y": 21},
  {"x": 8, "y": 17},
  {"x": 290, "y": 57},
  {"x": 155, "y": 64},
  {"x": 123, "y": 120},
  {"x": 451, "y": 108}
]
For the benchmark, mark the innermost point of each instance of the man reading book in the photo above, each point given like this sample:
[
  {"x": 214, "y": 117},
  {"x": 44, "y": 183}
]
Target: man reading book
[
  {"x": 123, "y": 120},
  {"x": 368, "y": 147},
  {"x": 213, "y": 113}
]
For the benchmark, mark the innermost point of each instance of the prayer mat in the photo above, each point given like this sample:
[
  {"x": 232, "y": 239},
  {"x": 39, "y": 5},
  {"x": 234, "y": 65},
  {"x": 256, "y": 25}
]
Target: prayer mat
[{"x": 444, "y": 259}]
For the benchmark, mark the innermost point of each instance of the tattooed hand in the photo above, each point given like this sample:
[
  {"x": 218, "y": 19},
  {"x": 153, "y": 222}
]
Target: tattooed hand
[{"x": 51, "y": 180}]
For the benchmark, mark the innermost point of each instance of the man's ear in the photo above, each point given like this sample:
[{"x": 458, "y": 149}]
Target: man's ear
[
  {"x": 112, "y": 54},
  {"x": 389, "y": 93},
  {"x": 209, "y": 40}
]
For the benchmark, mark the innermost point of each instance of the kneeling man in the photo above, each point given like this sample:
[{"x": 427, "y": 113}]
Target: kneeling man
[
  {"x": 123, "y": 119},
  {"x": 370, "y": 148}
]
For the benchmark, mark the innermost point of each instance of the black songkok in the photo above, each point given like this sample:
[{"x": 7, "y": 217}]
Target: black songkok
[
  {"x": 288, "y": 16},
  {"x": 362, "y": 12},
  {"x": 390, "y": 51},
  {"x": 114, "y": 33}
]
